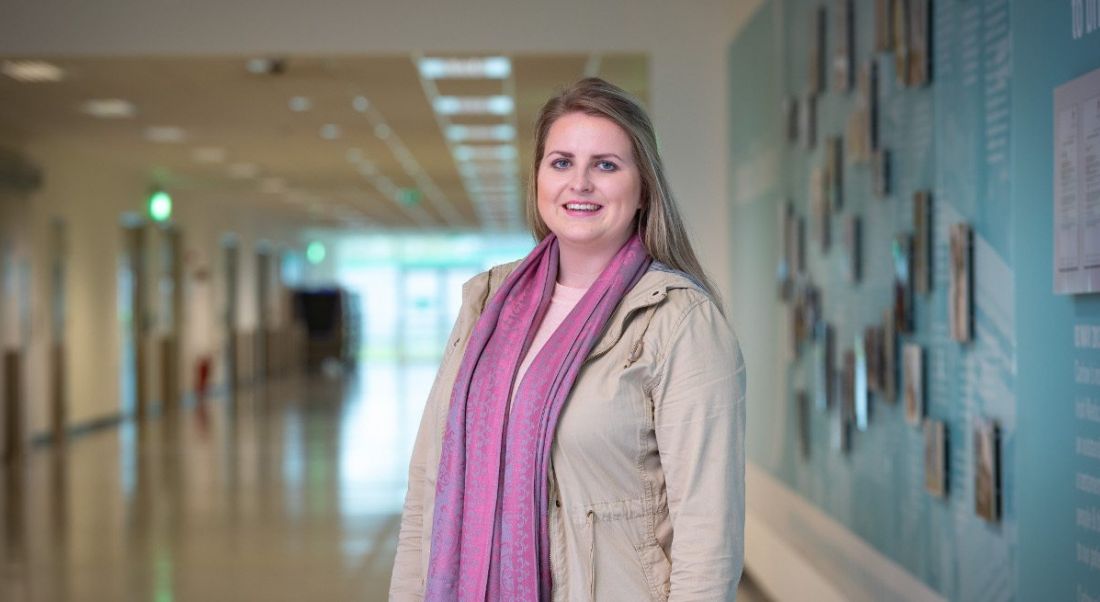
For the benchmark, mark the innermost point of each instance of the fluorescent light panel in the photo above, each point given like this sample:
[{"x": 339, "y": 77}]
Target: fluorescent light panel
[
  {"x": 209, "y": 155},
  {"x": 109, "y": 108},
  {"x": 475, "y": 170},
  {"x": 474, "y": 105},
  {"x": 272, "y": 185},
  {"x": 481, "y": 133},
  {"x": 244, "y": 170},
  {"x": 496, "y": 152},
  {"x": 492, "y": 67},
  {"x": 32, "y": 72},
  {"x": 167, "y": 134}
]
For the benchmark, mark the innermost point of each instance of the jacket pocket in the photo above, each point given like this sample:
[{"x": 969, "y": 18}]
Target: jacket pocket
[{"x": 656, "y": 568}]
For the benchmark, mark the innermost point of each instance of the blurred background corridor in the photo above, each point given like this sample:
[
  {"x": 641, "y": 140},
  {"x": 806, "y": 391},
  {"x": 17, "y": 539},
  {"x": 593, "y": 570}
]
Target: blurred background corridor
[{"x": 233, "y": 237}]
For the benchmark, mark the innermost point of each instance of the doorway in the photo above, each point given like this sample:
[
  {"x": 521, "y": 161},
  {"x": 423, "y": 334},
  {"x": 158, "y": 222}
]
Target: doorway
[
  {"x": 131, "y": 319},
  {"x": 170, "y": 316},
  {"x": 231, "y": 257},
  {"x": 58, "y": 302}
]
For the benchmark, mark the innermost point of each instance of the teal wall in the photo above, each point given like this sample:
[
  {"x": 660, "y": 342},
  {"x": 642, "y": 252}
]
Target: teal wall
[
  {"x": 979, "y": 137},
  {"x": 1046, "y": 55}
]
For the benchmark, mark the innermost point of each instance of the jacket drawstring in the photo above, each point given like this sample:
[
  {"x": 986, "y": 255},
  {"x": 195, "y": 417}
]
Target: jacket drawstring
[
  {"x": 590, "y": 523},
  {"x": 639, "y": 345}
]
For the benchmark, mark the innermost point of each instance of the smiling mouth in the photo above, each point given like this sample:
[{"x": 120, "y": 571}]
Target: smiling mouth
[{"x": 582, "y": 207}]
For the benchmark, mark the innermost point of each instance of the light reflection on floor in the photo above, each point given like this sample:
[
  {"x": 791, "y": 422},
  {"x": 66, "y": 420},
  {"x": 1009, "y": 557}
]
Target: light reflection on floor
[{"x": 291, "y": 493}]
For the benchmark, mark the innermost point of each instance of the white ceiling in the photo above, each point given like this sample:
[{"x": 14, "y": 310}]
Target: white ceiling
[{"x": 354, "y": 179}]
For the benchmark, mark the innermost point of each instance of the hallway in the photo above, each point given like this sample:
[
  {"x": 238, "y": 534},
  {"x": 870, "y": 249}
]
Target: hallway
[{"x": 292, "y": 493}]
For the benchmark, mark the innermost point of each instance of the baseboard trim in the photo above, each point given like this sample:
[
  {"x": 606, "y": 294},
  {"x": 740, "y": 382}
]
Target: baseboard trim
[
  {"x": 786, "y": 568},
  {"x": 82, "y": 429}
]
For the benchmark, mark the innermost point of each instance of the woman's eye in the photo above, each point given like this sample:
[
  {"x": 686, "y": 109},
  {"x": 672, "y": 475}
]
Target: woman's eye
[
  {"x": 606, "y": 166},
  {"x": 559, "y": 163}
]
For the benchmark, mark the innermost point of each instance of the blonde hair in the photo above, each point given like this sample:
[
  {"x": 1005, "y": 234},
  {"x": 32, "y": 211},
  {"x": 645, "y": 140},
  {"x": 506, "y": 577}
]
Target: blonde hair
[{"x": 659, "y": 224}]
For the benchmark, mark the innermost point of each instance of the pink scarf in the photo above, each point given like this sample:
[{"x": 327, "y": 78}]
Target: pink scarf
[{"x": 490, "y": 535}]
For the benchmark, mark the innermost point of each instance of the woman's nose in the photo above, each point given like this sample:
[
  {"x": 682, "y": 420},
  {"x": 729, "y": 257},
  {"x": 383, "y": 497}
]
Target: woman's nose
[{"x": 581, "y": 182}]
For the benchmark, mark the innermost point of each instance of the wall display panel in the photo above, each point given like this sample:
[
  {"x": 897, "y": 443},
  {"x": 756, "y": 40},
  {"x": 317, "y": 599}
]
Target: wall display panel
[
  {"x": 842, "y": 36},
  {"x": 943, "y": 129},
  {"x": 935, "y": 457},
  {"x": 1057, "y": 463},
  {"x": 912, "y": 358}
]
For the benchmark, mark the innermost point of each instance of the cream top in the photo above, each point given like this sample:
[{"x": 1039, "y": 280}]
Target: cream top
[{"x": 563, "y": 300}]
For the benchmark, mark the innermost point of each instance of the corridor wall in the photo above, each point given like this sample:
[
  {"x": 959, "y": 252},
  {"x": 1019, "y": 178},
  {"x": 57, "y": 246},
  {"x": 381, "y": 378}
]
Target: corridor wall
[
  {"x": 854, "y": 504},
  {"x": 91, "y": 194}
]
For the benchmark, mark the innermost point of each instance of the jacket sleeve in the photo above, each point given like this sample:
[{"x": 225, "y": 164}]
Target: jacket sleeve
[{"x": 699, "y": 418}]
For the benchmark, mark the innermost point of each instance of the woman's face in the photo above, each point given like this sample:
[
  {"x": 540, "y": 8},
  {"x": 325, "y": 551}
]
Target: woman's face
[{"x": 588, "y": 185}]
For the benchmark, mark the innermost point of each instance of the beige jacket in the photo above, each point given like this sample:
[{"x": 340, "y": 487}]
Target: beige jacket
[{"x": 647, "y": 478}]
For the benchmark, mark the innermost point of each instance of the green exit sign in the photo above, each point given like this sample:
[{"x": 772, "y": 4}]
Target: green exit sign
[
  {"x": 160, "y": 206},
  {"x": 409, "y": 196}
]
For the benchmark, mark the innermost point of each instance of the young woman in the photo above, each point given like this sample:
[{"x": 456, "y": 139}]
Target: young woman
[{"x": 584, "y": 438}]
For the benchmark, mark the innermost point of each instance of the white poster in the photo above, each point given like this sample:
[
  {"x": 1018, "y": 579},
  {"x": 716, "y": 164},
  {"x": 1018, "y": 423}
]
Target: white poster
[{"x": 1077, "y": 186}]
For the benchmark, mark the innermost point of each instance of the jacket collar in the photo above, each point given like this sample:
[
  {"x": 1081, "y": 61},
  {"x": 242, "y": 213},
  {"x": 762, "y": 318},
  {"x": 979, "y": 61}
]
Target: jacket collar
[{"x": 651, "y": 289}]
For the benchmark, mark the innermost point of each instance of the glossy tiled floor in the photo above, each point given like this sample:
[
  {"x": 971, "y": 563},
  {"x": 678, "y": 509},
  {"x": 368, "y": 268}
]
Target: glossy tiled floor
[{"x": 292, "y": 492}]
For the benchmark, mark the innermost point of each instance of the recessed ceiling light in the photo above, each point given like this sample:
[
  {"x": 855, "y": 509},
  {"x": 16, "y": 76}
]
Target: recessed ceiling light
[
  {"x": 383, "y": 131},
  {"x": 33, "y": 72},
  {"x": 495, "y": 152},
  {"x": 474, "y": 105},
  {"x": 266, "y": 66},
  {"x": 109, "y": 108},
  {"x": 244, "y": 170},
  {"x": 272, "y": 185},
  {"x": 493, "y": 67},
  {"x": 481, "y": 133},
  {"x": 330, "y": 131},
  {"x": 360, "y": 103},
  {"x": 209, "y": 154},
  {"x": 300, "y": 104},
  {"x": 165, "y": 133},
  {"x": 480, "y": 170}
]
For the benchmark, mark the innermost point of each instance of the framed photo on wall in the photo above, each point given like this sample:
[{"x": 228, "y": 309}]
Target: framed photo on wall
[
  {"x": 920, "y": 42},
  {"x": 913, "y": 378},
  {"x": 824, "y": 365},
  {"x": 935, "y": 457},
  {"x": 834, "y": 172},
  {"x": 873, "y": 345},
  {"x": 807, "y": 121},
  {"x": 843, "y": 45},
  {"x": 819, "y": 207},
  {"x": 922, "y": 242},
  {"x": 861, "y": 133},
  {"x": 853, "y": 249},
  {"x": 848, "y": 385},
  {"x": 959, "y": 293},
  {"x": 816, "y": 60},
  {"x": 899, "y": 34},
  {"x": 884, "y": 24},
  {"x": 987, "y": 470},
  {"x": 902, "y": 250},
  {"x": 880, "y": 173},
  {"x": 791, "y": 119}
]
